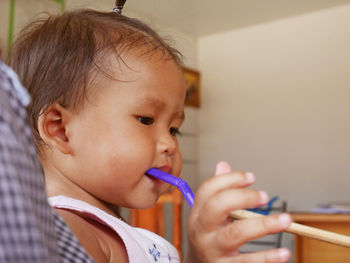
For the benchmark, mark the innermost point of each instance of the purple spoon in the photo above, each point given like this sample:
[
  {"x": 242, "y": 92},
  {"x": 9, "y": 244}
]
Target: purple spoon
[{"x": 173, "y": 180}]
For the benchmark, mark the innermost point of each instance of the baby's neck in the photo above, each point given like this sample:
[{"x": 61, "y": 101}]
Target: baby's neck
[{"x": 58, "y": 184}]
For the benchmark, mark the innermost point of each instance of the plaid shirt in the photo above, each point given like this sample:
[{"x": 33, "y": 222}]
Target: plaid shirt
[{"x": 30, "y": 230}]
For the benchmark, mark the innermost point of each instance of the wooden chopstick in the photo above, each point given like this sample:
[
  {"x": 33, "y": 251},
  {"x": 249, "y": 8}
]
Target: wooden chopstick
[{"x": 299, "y": 229}]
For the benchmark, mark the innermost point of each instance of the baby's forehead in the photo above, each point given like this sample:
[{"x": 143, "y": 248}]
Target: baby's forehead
[
  {"x": 152, "y": 76},
  {"x": 127, "y": 66},
  {"x": 142, "y": 53}
]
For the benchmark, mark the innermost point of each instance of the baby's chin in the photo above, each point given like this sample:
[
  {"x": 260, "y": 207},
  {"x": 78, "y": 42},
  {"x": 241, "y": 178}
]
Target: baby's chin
[
  {"x": 166, "y": 188},
  {"x": 145, "y": 202}
]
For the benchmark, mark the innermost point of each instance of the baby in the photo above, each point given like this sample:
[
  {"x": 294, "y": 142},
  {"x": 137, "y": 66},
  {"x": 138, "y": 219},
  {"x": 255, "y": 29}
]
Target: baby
[{"x": 107, "y": 104}]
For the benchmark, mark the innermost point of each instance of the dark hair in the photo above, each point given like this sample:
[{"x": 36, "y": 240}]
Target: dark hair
[{"x": 55, "y": 56}]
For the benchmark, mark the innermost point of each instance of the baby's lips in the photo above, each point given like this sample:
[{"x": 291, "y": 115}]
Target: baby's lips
[{"x": 165, "y": 168}]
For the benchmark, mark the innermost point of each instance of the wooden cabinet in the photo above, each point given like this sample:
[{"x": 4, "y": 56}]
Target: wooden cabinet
[{"x": 312, "y": 251}]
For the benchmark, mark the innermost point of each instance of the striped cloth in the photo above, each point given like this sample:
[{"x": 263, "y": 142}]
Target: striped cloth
[{"x": 30, "y": 230}]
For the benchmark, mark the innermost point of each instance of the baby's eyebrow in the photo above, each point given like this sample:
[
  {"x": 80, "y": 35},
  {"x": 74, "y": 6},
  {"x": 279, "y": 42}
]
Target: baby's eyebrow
[
  {"x": 151, "y": 102},
  {"x": 181, "y": 115},
  {"x": 159, "y": 105}
]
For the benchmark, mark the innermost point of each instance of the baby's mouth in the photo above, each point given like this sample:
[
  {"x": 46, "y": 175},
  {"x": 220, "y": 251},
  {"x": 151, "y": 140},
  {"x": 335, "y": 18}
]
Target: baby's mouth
[
  {"x": 165, "y": 168},
  {"x": 157, "y": 181},
  {"x": 154, "y": 179}
]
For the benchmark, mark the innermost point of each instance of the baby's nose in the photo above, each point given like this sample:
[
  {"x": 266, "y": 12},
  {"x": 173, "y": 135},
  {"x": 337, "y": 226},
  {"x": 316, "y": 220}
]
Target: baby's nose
[{"x": 167, "y": 145}]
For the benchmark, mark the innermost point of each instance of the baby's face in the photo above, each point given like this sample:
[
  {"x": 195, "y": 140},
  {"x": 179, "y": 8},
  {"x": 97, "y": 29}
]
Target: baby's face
[{"x": 127, "y": 127}]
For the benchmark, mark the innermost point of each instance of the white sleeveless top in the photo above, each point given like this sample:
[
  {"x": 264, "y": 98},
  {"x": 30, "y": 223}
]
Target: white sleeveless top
[{"x": 141, "y": 245}]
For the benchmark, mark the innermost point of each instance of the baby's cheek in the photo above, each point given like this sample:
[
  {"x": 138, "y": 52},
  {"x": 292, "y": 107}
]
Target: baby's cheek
[
  {"x": 177, "y": 165},
  {"x": 138, "y": 148}
]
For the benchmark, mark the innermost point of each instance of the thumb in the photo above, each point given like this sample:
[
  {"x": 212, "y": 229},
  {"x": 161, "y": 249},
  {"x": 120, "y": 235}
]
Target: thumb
[{"x": 222, "y": 168}]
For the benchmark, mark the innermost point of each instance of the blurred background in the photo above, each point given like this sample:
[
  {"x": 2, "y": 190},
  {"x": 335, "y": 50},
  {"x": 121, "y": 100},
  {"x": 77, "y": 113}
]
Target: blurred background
[{"x": 274, "y": 87}]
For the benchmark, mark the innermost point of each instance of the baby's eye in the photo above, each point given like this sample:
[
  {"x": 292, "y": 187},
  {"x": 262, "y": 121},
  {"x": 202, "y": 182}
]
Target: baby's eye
[
  {"x": 174, "y": 131},
  {"x": 145, "y": 120}
]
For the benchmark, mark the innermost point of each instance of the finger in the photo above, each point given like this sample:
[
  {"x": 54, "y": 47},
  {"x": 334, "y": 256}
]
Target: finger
[
  {"x": 269, "y": 256},
  {"x": 220, "y": 205},
  {"x": 239, "y": 232},
  {"x": 219, "y": 183},
  {"x": 222, "y": 168}
]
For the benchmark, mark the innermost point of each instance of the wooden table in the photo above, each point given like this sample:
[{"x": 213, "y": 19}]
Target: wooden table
[{"x": 312, "y": 251}]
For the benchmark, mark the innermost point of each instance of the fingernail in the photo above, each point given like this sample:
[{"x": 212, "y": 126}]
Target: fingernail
[
  {"x": 284, "y": 219},
  {"x": 264, "y": 198},
  {"x": 283, "y": 254},
  {"x": 250, "y": 177},
  {"x": 222, "y": 167}
]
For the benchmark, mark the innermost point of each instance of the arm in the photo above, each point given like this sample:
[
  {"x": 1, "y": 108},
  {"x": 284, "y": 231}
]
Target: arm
[
  {"x": 29, "y": 229},
  {"x": 26, "y": 221}
]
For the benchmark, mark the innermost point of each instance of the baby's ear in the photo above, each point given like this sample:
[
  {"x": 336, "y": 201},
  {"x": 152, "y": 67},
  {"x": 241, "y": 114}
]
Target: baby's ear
[{"x": 52, "y": 127}]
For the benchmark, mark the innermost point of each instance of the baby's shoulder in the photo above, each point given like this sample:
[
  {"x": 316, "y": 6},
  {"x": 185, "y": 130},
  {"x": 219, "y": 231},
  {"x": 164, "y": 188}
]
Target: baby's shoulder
[{"x": 99, "y": 241}]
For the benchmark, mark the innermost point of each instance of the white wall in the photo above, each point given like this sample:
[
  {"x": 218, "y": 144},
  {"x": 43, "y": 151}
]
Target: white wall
[
  {"x": 4, "y": 6},
  {"x": 24, "y": 11},
  {"x": 276, "y": 102}
]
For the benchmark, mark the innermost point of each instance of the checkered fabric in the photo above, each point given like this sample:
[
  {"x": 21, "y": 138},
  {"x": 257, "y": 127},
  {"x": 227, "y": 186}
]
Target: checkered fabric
[{"x": 30, "y": 230}]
